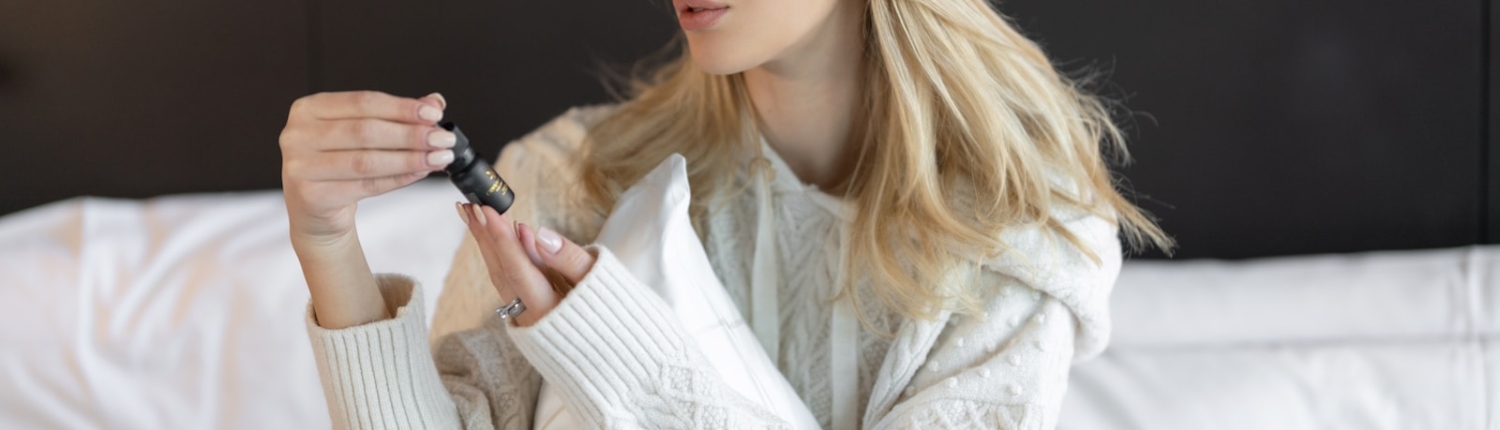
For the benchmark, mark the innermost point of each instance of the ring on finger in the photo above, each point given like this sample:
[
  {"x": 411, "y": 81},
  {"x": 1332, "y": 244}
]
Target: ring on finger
[{"x": 511, "y": 310}]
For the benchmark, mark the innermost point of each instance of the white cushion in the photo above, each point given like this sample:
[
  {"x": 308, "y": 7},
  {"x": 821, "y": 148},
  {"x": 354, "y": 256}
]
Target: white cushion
[{"x": 1384, "y": 340}]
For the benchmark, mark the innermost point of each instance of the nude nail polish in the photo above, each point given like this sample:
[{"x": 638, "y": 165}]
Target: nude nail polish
[
  {"x": 550, "y": 240},
  {"x": 530, "y": 250},
  {"x": 479, "y": 215},
  {"x": 429, "y": 113},
  {"x": 439, "y": 158},
  {"x": 441, "y": 139}
]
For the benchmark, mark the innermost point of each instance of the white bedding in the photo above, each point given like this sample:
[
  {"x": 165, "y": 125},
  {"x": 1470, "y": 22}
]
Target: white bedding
[
  {"x": 182, "y": 312},
  {"x": 186, "y": 312},
  {"x": 1386, "y": 340}
]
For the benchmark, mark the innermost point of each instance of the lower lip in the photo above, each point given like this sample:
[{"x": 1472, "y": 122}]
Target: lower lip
[{"x": 701, "y": 19}]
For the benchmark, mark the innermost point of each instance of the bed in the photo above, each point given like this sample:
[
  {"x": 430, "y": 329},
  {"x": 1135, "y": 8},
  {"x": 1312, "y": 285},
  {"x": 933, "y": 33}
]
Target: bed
[{"x": 186, "y": 312}]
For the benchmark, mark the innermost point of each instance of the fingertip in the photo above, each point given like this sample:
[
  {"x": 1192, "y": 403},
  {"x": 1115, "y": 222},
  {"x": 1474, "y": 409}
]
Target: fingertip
[
  {"x": 550, "y": 240},
  {"x": 528, "y": 243},
  {"x": 479, "y": 214},
  {"x": 438, "y": 97},
  {"x": 464, "y": 214},
  {"x": 430, "y": 108},
  {"x": 567, "y": 258}
]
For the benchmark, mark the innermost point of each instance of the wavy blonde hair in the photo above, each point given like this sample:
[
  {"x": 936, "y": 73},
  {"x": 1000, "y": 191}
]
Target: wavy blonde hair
[{"x": 966, "y": 121}]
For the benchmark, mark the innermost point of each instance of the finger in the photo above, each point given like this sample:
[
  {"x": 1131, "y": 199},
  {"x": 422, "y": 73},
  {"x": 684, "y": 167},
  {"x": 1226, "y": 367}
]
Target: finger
[
  {"x": 486, "y": 253},
  {"x": 560, "y": 284},
  {"x": 438, "y": 98},
  {"x": 500, "y": 233},
  {"x": 366, "y": 164},
  {"x": 345, "y": 192},
  {"x": 509, "y": 267},
  {"x": 567, "y": 258},
  {"x": 535, "y": 288},
  {"x": 370, "y": 133},
  {"x": 368, "y": 104},
  {"x": 528, "y": 243}
]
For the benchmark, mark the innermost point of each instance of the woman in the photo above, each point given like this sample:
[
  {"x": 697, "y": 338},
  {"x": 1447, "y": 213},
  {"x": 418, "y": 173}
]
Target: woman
[{"x": 905, "y": 199}]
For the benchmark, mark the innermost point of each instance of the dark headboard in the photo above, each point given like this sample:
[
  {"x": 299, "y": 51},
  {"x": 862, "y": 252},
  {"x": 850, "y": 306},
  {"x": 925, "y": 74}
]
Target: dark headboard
[{"x": 1260, "y": 128}]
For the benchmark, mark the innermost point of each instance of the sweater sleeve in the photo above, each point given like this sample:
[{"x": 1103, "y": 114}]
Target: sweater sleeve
[
  {"x": 622, "y": 360},
  {"x": 1006, "y": 368},
  {"x": 381, "y": 375},
  {"x": 465, "y": 373}
]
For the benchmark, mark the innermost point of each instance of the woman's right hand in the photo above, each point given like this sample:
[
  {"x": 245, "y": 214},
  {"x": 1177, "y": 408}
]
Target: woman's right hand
[{"x": 338, "y": 148}]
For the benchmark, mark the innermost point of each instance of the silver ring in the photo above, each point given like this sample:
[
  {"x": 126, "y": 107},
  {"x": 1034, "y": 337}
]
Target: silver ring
[{"x": 511, "y": 310}]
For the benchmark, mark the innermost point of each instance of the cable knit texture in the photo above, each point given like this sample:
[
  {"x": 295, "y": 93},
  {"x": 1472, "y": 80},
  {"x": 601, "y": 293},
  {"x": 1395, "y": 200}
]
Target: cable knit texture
[{"x": 622, "y": 361}]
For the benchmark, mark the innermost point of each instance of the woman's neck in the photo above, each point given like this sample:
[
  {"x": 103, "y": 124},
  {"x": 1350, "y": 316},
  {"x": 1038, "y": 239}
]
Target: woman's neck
[{"x": 807, "y": 101}]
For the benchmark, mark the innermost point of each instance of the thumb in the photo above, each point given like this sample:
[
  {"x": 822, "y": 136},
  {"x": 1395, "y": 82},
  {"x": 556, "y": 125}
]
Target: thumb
[{"x": 562, "y": 255}]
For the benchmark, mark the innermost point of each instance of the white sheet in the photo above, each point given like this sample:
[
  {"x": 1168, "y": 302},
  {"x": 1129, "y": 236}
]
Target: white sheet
[
  {"x": 182, "y": 312},
  {"x": 186, "y": 312}
]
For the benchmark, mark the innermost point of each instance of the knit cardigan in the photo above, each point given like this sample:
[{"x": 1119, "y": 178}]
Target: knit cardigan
[{"x": 621, "y": 360}]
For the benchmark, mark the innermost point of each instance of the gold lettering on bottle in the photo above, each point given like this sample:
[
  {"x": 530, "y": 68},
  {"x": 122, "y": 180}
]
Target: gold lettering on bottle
[{"x": 496, "y": 185}]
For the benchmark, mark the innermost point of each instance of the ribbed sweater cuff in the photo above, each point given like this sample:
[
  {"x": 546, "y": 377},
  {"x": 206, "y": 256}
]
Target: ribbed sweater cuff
[
  {"x": 380, "y": 375},
  {"x": 608, "y": 340}
]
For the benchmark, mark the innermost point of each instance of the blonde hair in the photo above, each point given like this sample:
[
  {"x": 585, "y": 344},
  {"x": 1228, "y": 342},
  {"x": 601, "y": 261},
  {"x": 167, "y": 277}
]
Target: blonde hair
[{"x": 966, "y": 123}]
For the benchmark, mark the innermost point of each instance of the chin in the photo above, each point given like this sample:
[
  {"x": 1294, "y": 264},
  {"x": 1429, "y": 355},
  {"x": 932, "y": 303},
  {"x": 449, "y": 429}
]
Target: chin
[{"x": 716, "y": 56}]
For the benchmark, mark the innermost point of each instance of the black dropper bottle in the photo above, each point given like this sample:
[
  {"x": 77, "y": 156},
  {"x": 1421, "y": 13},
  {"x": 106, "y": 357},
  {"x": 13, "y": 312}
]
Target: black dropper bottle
[{"x": 474, "y": 177}]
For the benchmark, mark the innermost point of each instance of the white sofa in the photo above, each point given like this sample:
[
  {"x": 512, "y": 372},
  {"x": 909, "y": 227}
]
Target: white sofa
[{"x": 186, "y": 312}]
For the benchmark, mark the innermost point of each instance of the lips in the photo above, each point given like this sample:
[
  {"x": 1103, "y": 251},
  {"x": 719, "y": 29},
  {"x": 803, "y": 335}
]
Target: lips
[{"x": 695, "y": 15}]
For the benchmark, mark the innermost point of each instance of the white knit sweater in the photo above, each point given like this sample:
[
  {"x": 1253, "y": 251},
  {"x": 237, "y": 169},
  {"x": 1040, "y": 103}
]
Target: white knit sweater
[{"x": 621, "y": 361}]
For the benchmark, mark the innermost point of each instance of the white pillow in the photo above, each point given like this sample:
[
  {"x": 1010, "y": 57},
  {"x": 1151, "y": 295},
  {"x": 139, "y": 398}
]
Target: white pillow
[{"x": 651, "y": 233}]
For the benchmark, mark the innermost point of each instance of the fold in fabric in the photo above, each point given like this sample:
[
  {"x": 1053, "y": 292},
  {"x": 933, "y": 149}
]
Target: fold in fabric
[{"x": 651, "y": 234}]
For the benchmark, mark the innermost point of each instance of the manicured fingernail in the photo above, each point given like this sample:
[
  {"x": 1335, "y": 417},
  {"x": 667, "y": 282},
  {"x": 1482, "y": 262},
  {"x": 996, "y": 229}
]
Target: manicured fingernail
[
  {"x": 460, "y": 208},
  {"x": 550, "y": 240},
  {"x": 530, "y": 250},
  {"x": 429, "y": 113},
  {"x": 439, "y": 158},
  {"x": 479, "y": 213},
  {"x": 442, "y": 102},
  {"x": 439, "y": 138}
]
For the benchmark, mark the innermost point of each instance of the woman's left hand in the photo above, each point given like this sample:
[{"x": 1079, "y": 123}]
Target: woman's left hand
[{"x": 540, "y": 267}]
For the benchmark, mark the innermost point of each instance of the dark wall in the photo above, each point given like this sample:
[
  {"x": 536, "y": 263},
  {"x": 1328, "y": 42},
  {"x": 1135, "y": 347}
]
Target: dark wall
[
  {"x": 1492, "y": 112},
  {"x": 1277, "y": 127},
  {"x": 505, "y": 67},
  {"x": 1269, "y": 127},
  {"x": 139, "y": 98},
  {"x": 151, "y": 97}
]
